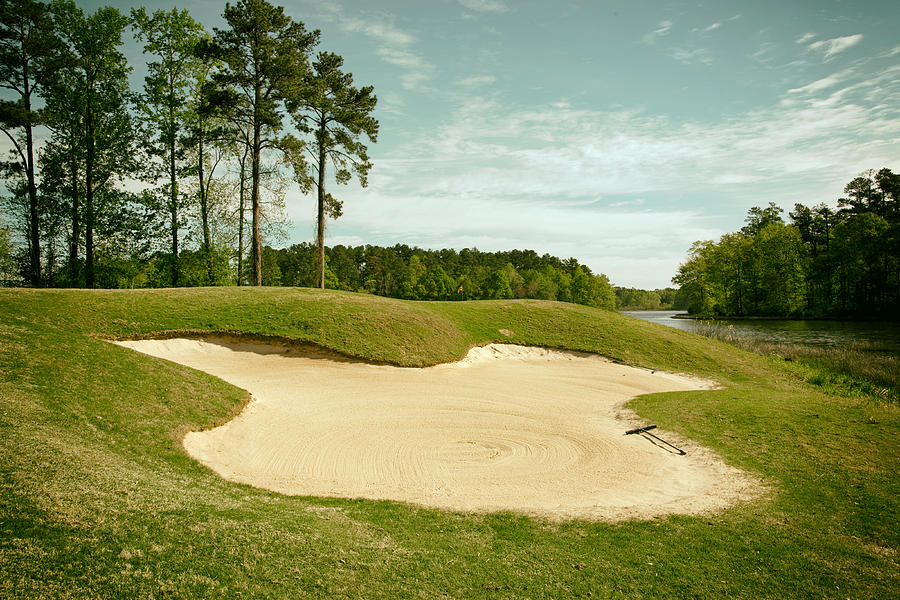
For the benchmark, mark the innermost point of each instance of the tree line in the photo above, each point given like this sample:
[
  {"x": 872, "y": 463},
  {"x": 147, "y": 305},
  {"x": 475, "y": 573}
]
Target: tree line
[
  {"x": 659, "y": 299},
  {"x": 415, "y": 274},
  {"x": 823, "y": 263},
  {"x": 190, "y": 172}
]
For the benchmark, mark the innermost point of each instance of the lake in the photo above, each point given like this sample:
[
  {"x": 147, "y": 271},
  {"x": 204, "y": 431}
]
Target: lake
[{"x": 812, "y": 333}]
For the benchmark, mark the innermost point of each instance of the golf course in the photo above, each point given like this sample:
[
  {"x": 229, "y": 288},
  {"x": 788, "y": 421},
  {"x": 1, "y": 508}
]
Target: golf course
[{"x": 113, "y": 488}]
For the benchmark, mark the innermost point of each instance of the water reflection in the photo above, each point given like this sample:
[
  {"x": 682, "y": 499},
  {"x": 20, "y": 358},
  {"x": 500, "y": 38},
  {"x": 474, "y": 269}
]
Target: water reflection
[{"x": 884, "y": 335}]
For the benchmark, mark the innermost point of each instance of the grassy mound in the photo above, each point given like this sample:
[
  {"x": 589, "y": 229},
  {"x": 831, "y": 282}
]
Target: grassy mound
[{"x": 97, "y": 498}]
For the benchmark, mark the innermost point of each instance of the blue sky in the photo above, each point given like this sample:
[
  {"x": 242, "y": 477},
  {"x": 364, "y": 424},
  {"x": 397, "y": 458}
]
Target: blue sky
[{"x": 615, "y": 132}]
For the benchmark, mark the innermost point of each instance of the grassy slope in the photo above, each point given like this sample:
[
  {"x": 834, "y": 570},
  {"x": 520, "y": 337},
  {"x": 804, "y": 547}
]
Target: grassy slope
[{"x": 97, "y": 499}]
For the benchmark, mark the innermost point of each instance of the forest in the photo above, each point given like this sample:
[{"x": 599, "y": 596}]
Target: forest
[
  {"x": 186, "y": 176},
  {"x": 183, "y": 182},
  {"x": 822, "y": 263},
  {"x": 417, "y": 274}
]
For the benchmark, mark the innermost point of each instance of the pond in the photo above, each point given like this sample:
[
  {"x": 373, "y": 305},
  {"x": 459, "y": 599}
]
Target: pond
[{"x": 885, "y": 335}]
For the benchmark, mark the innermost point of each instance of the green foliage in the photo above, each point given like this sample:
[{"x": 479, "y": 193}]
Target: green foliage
[
  {"x": 325, "y": 104},
  {"x": 206, "y": 101},
  {"x": 743, "y": 275},
  {"x": 497, "y": 286},
  {"x": 29, "y": 55},
  {"x": 264, "y": 55},
  {"x": 8, "y": 271},
  {"x": 166, "y": 107},
  {"x": 693, "y": 278},
  {"x": 197, "y": 266},
  {"x": 759, "y": 218},
  {"x": 115, "y": 270},
  {"x": 416, "y": 274},
  {"x": 636, "y": 299},
  {"x": 779, "y": 267},
  {"x": 271, "y": 272},
  {"x": 592, "y": 290},
  {"x": 94, "y": 83},
  {"x": 824, "y": 263}
]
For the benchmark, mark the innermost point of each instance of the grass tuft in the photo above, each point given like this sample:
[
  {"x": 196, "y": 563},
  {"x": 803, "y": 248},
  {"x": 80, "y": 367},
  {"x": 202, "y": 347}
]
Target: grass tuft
[{"x": 863, "y": 368}]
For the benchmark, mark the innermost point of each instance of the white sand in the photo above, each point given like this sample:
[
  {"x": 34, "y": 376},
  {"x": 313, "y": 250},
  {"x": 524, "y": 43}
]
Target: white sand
[{"x": 509, "y": 428}]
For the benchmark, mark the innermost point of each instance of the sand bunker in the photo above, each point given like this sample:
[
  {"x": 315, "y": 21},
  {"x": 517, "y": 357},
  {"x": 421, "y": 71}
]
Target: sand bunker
[{"x": 509, "y": 428}]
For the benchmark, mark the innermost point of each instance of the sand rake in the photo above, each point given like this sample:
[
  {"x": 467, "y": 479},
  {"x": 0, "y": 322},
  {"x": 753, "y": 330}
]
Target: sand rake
[{"x": 644, "y": 432}]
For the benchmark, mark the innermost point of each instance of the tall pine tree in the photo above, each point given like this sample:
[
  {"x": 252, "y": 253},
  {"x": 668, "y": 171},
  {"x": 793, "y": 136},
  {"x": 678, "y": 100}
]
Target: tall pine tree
[
  {"x": 95, "y": 81},
  {"x": 264, "y": 53},
  {"x": 326, "y": 105}
]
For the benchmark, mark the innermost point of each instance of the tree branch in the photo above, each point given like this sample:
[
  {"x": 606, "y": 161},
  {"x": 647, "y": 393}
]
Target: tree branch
[{"x": 16, "y": 144}]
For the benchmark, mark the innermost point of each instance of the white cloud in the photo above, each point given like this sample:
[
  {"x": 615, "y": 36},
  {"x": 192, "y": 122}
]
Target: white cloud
[
  {"x": 477, "y": 80},
  {"x": 766, "y": 52},
  {"x": 488, "y": 149},
  {"x": 391, "y": 102},
  {"x": 416, "y": 70},
  {"x": 383, "y": 32},
  {"x": 714, "y": 26},
  {"x": 836, "y": 45},
  {"x": 692, "y": 56},
  {"x": 485, "y": 5},
  {"x": 805, "y": 38},
  {"x": 821, "y": 84},
  {"x": 395, "y": 47},
  {"x": 636, "y": 202},
  {"x": 661, "y": 30}
]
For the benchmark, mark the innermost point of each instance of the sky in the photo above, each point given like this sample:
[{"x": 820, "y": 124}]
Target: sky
[{"x": 617, "y": 133}]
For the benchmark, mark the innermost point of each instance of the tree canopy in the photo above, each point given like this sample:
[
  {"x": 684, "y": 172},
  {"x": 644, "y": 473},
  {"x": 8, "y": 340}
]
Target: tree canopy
[
  {"x": 412, "y": 273},
  {"x": 823, "y": 263},
  {"x": 30, "y": 53},
  {"x": 264, "y": 54},
  {"x": 326, "y": 105},
  {"x": 165, "y": 104}
]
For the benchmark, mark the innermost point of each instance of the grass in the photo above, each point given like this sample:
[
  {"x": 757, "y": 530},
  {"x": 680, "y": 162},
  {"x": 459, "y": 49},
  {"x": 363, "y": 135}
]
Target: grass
[
  {"x": 863, "y": 368},
  {"x": 98, "y": 500}
]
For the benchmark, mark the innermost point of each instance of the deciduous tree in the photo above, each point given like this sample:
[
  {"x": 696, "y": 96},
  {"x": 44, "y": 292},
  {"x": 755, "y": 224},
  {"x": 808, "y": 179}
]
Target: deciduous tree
[
  {"x": 29, "y": 55},
  {"x": 172, "y": 37},
  {"x": 94, "y": 81}
]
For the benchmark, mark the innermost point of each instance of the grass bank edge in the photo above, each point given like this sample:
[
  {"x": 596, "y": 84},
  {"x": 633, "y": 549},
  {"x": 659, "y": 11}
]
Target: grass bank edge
[{"x": 426, "y": 332}]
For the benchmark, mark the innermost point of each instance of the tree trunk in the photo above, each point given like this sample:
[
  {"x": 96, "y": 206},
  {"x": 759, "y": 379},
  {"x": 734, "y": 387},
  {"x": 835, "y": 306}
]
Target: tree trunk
[
  {"x": 173, "y": 208},
  {"x": 207, "y": 238},
  {"x": 243, "y": 182},
  {"x": 89, "y": 197},
  {"x": 34, "y": 237},
  {"x": 320, "y": 234},
  {"x": 255, "y": 206},
  {"x": 76, "y": 210},
  {"x": 203, "y": 204}
]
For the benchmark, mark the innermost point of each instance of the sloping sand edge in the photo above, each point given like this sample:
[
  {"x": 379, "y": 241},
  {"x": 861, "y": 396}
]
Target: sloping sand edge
[{"x": 508, "y": 428}]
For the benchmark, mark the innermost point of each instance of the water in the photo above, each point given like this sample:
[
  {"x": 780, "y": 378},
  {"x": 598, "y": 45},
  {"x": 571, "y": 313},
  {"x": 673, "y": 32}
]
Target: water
[{"x": 884, "y": 335}]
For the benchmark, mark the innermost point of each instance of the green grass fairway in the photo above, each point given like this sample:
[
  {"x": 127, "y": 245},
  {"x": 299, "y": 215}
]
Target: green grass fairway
[{"x": 98, "y": 500}]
